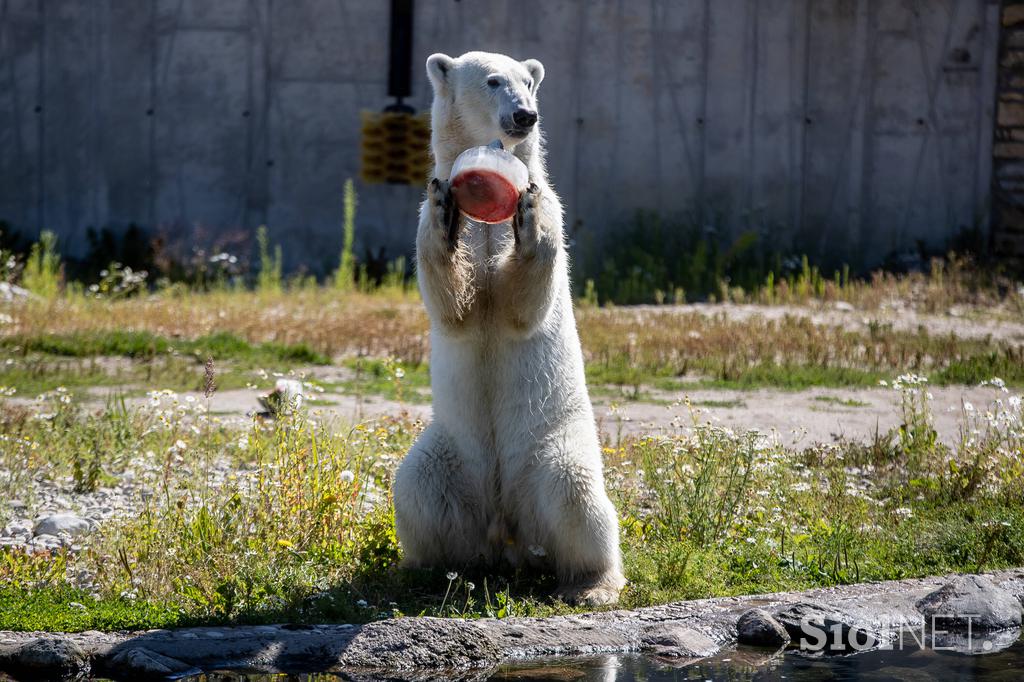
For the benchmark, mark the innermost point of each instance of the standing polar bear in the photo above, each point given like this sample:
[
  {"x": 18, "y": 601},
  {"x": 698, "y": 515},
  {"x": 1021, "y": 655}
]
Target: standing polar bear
[{"x": 510, "y": 468}]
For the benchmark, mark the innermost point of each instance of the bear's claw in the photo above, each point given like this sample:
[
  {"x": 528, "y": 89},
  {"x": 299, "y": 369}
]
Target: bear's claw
[{"x": 525, "y": 219}]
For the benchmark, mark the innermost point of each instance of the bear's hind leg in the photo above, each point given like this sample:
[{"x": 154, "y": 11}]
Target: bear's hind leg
[
  {"x": 439, "y": 515},
  {"x": 576, "y": 522}
]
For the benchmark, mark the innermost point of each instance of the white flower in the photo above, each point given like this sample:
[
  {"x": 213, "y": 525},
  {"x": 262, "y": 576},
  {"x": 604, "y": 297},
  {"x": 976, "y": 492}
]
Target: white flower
[
  {"x": 452, "y": 575},
  {"x": 361, "y": 603},
  {"x": 399, "y": 373},
  {"x": 968, "y": 407},
  {"x": 470, "y": 586},
  {"x": 347, "y": 476}
]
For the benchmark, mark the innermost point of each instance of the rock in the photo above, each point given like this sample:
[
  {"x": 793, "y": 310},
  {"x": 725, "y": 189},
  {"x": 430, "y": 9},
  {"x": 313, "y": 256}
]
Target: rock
[
  {"x": 136, "y": 662},
  {"x": 284, "y": 399},
  {"x": 55, "y": 524},
  {"x": 18, "y": 528},
  {"x": 421, "y": 643},
  {"x": 974, "y": 643},
  {"x": 971, "y": 601},
  {"x": 672, "y": 640},
  {"x": 819, "y": 628},
  {"x": 757, "y": 628},
  {"x": 44, "y": 541},
  {"x": 47, "y": 658}
]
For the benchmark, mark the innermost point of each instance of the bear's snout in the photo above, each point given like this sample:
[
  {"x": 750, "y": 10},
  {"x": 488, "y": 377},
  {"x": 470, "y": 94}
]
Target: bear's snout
[{"x": 524, "y": 118}]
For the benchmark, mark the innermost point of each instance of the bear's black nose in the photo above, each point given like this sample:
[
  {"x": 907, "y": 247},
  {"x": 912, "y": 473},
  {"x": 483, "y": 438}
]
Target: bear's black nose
[{"x": 524, "y": 118}]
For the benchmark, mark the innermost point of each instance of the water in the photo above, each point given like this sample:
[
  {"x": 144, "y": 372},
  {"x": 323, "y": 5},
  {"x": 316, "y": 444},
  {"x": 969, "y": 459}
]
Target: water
[{"x": 911, "y": 664}]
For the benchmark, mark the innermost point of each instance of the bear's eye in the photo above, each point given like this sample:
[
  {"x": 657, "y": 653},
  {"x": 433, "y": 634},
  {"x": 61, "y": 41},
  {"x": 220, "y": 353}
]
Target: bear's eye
[
  {"x": 493, "y": 82},
  {"x": 529, "y": 84}
]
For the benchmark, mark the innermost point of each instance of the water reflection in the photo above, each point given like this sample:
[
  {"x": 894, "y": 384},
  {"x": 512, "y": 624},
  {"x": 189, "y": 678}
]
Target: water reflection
[{"x": 911, "y": 664}]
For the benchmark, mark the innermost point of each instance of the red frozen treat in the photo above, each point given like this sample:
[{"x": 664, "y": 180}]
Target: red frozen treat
[{"x": 486, "y": 183}]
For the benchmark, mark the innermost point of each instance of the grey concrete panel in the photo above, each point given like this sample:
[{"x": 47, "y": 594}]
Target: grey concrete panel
[
  {"x": 201, "y": 130},
  {"x": 21, "y": 121}
]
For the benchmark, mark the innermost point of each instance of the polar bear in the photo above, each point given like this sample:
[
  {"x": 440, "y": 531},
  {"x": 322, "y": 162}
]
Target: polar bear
[{"x": 509, "y": 470}]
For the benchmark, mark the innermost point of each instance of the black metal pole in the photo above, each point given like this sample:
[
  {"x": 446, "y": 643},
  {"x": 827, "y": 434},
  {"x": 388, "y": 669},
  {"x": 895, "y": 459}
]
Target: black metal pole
[{"x": 400, "y": 51}]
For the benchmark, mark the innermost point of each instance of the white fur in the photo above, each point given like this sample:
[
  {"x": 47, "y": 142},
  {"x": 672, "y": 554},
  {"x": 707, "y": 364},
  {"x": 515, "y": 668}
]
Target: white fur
[{"x": 510, "y": 469}]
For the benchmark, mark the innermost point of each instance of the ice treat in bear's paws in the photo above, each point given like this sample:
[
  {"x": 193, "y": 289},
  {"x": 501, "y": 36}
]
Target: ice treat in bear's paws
[{"x": 486, "y": 182}]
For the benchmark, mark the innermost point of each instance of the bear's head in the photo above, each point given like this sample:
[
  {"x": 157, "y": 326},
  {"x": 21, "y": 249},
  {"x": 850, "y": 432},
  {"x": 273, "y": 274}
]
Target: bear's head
[{"x": 481, "y": 97}]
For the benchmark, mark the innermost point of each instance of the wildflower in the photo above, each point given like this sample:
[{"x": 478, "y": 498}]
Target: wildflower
[
  {"x": 347, "y": 476},
  {"x": 470, "y": 586},
  {"x": 399, "y": 372},
  {"x": 968, "y": 407},
  {"x": 452, "y": 575}
]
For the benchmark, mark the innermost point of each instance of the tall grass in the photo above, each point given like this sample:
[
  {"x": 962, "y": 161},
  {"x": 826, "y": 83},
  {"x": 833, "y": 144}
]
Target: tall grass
[
  {"x": 269, "y": 278},
  {"x": 345, "y": 275}
]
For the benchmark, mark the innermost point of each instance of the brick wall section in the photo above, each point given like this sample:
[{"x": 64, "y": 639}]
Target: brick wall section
[{"x": 1008, "y": 149}]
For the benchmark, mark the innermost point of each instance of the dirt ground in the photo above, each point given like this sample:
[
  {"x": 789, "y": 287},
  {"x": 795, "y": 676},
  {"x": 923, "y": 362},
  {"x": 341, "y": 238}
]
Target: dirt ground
[{"x": 800, "y": 417}]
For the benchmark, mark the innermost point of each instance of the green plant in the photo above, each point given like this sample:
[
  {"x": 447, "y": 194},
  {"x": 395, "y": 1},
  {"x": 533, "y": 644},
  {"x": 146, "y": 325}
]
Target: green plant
[
  {"x": 698, "y": 485},
  {"x": 42, "y": 273},
  {"x": 345, "y": 275}
]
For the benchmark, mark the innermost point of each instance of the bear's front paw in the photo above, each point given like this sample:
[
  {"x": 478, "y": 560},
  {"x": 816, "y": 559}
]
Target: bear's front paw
[
  {"x": 524, "y": 223},
  {"x": 444, "y": 213}
]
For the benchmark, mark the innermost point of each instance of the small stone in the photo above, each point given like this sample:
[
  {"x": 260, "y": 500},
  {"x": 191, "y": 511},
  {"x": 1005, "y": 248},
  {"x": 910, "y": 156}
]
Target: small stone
[
  {"x": 47, "y": 658},
  {"x": 45, "y": 541},
  {"x": 971, "y": 601},
  {"x": 757, "y": 627},
  {"x": 17, "y": 528},
  {"x": 678, "y": 641},
  {"x": 55, "y": 524}
]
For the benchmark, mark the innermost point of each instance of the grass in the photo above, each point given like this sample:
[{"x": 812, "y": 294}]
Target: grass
[
  {"x": 842, "y": 402},
  {"x": 42, "y": 362},
  {"x": 719, "y": 403},
  {"x": 251, "y": 522},
  {"x": 388, "y": 378},
  {"x": 54, "y": 342}
]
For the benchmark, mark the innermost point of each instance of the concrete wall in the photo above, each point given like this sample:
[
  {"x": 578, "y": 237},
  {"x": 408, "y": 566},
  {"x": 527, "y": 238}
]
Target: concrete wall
[{"x": 846, "y": 129}]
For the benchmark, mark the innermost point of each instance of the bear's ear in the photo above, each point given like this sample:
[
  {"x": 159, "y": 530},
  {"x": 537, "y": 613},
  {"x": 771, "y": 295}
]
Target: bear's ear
[
  {"x": 439, "y": 70},
  {"x": 536, "y": 70}
]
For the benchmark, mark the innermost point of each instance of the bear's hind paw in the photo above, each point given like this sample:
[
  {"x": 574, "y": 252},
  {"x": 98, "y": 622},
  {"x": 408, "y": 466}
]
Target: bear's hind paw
[{"x": 601, "y": 593}]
